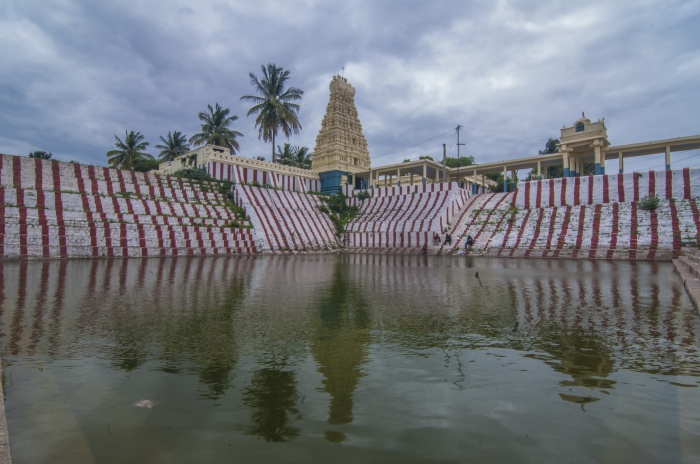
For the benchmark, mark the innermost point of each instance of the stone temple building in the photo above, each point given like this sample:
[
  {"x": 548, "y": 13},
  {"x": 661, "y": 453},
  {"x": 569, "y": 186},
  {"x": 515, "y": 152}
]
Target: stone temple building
[{"x": 341, "y": 147}]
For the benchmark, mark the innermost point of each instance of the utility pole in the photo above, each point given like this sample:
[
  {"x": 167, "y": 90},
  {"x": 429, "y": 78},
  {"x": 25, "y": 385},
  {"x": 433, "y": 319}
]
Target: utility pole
[
  {"x": 458, "y": 163},
  {"x": 444, "y": 163}
]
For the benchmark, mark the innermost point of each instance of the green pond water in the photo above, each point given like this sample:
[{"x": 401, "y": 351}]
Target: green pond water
[{"x": 349, "y": 358}]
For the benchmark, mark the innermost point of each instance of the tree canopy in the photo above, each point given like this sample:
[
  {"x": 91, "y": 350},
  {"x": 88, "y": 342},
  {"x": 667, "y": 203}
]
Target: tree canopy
[
  {"x": 41, "y": 155},
  {"x": 128, "y": 151},
  {"x": 551, "y": 171},
  {"x": 274, "y": 105},
  {"x": 550, "y": 147},
  {"x": 498, "y": 178},
  {"x": 172, "y": 147},
  {"x": 215, "y": 129},
  {"x": 451, "y": 162},
  {"x": 459, "y": 162},
  {"x": 144, "y": 164}
]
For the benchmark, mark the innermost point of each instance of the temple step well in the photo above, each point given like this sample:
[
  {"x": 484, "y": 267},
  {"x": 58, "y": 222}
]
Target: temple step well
[{"x": 50, "y": 209}]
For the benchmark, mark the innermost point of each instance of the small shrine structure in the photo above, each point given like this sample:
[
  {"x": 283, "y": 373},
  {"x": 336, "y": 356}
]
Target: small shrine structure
[{"x": 585, "y": 141}]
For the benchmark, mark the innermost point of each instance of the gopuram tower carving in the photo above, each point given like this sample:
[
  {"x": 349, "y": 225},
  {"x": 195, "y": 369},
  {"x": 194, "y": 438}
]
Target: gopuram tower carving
[{"x": 341, "y": 147}]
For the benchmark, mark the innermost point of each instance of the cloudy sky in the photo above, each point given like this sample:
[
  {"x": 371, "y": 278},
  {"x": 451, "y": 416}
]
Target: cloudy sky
[{"x": 75, "y": 73}]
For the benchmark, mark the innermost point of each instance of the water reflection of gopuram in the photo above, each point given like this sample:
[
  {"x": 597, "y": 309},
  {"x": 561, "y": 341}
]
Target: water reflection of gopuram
[{"x": 340, "y": 344}]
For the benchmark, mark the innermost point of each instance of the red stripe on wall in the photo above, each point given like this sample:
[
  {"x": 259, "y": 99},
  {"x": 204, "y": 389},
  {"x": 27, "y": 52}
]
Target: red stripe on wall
[
  {"x": 562, "y": 201},
  {"x": 675, "y": 226},
  {"x": 17, "y": 172},
  {"x": 527, "y": 195},
  {"x": 551, "y": 193},
  {"x": 595, "y": 233},
  {"x": 38, "y": 177},
  {"x": 613, "y": 231}
]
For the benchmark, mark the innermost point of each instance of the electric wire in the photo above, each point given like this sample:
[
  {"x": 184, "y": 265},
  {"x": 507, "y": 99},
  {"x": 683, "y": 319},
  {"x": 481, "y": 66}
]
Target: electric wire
[
  {"x": 663, "y": 165},
  {"x": 414, "y": 145},
  {"x": 488, "y": 135}
]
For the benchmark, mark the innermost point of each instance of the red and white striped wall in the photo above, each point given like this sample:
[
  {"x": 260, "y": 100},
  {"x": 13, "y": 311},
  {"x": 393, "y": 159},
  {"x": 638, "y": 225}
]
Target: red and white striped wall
[
  {"x": 610, "y": 188},
  {"x": 247, "y": 175},
  {"x": 286, "y": 221},
  {"x": 50, "y": 209}
]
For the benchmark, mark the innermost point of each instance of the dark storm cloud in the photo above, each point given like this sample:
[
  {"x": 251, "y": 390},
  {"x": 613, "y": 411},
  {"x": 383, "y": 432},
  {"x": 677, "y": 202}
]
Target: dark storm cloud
[{"x": 75, "y": 73}]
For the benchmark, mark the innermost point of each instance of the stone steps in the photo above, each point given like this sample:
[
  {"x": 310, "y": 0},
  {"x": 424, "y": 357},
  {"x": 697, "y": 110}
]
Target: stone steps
[
  {"x": 287, "y": 221},
  {"x": 54, "y": 176},
  {"x": 50, "y": 209},
  {"x": 688, "y": 267},
  {"x": 588, "y": 230}
]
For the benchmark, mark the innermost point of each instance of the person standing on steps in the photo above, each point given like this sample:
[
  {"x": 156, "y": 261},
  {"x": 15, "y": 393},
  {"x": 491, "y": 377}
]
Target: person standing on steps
[{"x": 470, "y": 242}]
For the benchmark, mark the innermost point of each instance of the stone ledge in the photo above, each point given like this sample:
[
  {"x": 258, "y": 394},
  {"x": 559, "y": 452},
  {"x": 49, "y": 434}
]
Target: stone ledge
[
  {"x": 688, "y": 272},
  {"x": 5, "y": 452}
]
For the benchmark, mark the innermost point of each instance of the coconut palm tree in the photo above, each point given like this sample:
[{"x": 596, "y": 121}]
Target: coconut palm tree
[
  {"x": 215, "y": 129},
  {"x": 303, "y": 158},
  {"x": 286, "y": 155},
  {"x": 127, "y": 152},
  {"x": 274, "y": 104},
  {"x": 174, "y": 146},
  {"x": 298, "y": 157}
]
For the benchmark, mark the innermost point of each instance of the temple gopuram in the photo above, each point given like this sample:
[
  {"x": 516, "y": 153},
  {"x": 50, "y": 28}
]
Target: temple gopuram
[{"x": 341, "y": 147}]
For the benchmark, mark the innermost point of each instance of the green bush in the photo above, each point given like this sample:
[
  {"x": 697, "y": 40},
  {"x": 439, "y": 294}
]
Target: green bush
[
  {"x": 193, "y": 173},
  {"x": 225, "y": 187},
  {"x": 339, "y": 211},
  {"x": 649, "y": 202},
  {"x": 144, "y": 165},
  {"x": 363, "y": 195},
  {"x": 238, "y": 210}
]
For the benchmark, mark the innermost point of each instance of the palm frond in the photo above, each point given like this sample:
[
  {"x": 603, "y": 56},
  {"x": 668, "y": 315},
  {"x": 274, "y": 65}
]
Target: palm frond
[
  {"x": 273, "y": 105},
  {"x": 215, "y": 128}
]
